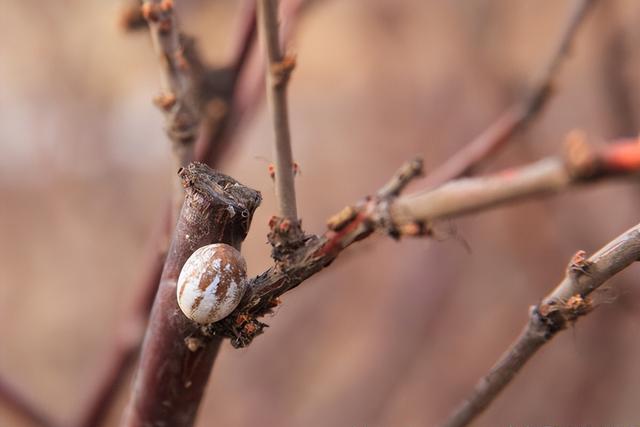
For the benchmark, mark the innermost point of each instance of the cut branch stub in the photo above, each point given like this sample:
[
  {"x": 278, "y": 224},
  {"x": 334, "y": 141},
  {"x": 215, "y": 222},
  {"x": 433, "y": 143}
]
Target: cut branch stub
[{"x": 176, "y": 357}]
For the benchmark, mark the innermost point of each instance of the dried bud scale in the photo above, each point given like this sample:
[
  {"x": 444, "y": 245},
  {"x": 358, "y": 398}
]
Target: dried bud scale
[{"x": 211, "y": 283}]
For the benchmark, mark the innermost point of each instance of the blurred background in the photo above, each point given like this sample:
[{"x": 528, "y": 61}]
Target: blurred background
[{"x": 393, "y": 333}]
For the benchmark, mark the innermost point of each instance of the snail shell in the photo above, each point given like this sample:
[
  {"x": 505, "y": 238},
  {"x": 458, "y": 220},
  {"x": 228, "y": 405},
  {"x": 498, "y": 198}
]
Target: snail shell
[{"x": 211, "y": 283}]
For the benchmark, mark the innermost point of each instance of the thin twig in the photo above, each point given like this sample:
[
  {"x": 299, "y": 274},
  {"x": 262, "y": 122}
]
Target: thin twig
[
  {"x": 561, "y": 308},
  {"x": 278, "y": 72},
  {"x": 22, "y": 406},
  {"x": 176, "y": 357},
  {"x": 518, "y": 116},
  {"x": 178, "y": 98},
  {"x": 413, "y": 215}
]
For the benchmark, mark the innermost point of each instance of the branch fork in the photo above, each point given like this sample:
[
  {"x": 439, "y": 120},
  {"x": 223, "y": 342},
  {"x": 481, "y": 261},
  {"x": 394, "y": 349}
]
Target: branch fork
[
  {"x": 281, "y": 70},
  {"x": 311, "y": 253}
]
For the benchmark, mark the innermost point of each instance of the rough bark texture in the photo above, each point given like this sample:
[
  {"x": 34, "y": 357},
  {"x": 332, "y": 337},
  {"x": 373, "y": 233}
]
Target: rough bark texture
[{"x": 176, "y": 357}]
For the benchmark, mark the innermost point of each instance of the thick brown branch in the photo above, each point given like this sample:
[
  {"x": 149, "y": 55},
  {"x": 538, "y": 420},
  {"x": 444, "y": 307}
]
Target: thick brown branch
[
  {"x": 563, "y": 306},
  {"x": 414, "y": 214},
  {"x": 518, "y": 116},
  {"x": 22, "y": 406},
  {"x": 176, "y": 357},
  {"x": 278, "y": 72},
  {"x": 212, "y": 145}
]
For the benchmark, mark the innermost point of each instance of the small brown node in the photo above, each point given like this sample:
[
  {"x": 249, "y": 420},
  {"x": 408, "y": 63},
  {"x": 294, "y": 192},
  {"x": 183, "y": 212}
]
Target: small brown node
[
  {"x": 242, "y": 319},
  {"x": 285, "y": 225},
  {"x": 149, "y": 11},
  {"x": 281, "y": 71},
  {"x": 193, "y": 344},
  {"x": 578, "y": 306},
  {"x": 546, "y": 309},
  {"x": 296, "y": 169},
  {"x": 165, "y": 101},
  {"x": 250, "y": 328},
  {"x": 271, "y": 169},
  {"x": 274, "y": 302},
  {"x": 579, "y": 155},
  {"x": 166, "y": 5},
  {"x": 579, "y": 263},
  {"x": 412, "y": 229}
]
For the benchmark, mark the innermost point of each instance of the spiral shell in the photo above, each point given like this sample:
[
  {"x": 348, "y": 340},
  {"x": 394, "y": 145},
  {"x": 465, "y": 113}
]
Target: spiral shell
[{"x": 211, "y": 283}]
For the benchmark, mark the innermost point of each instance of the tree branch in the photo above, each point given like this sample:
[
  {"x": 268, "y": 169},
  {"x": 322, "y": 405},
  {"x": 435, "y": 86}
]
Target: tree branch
[
  {"x": 580, "y": 164},
  {"x": 413, "y": 215},
  {"x": 518, "y": 116},
  {"x": 176, "y": 357},
  {"x": 211, "y": 147},
  {"x": 178, "y": 99},
  {"x": 561, "y": 308},
  {"x": 278, "y": 72}
]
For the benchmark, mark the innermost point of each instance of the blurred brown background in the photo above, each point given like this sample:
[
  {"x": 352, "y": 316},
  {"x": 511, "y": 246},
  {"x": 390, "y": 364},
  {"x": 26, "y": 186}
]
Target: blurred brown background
[{"x": 392, "y": 334}]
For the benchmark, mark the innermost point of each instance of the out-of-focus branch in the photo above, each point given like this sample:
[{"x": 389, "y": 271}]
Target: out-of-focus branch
[
  {"x": 413, "y": 215},
  {"x": 178, "y": 97},
  {"x": 22, "y": 406},
  {"x": 279, "y": 69},
  {"x": 561, "y": 308},
  {"x": 123, "y": 349},
  {"x": 518, "y": 116},
  {"x": 243, "y": 39},
  {"x": 581, "y": 164},
  {"x": 176, "y": 357}
]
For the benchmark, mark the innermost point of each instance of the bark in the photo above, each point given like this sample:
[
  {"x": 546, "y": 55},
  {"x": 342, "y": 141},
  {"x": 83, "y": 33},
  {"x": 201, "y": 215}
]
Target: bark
[{"x": 176, "y": 356}]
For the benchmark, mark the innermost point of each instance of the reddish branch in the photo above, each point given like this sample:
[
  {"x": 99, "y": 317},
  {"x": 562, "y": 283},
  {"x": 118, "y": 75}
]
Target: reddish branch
[
  {"x": 561, "y": 308},
  {"x": 518, "y": 116},
  {"x": 176, "y": 357},
  {"x": 413, "y": 215}
]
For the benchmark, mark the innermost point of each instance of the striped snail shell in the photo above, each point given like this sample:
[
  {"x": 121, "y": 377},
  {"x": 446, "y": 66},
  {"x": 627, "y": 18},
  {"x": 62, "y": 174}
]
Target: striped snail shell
[{"x": 211, "y": 283}]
